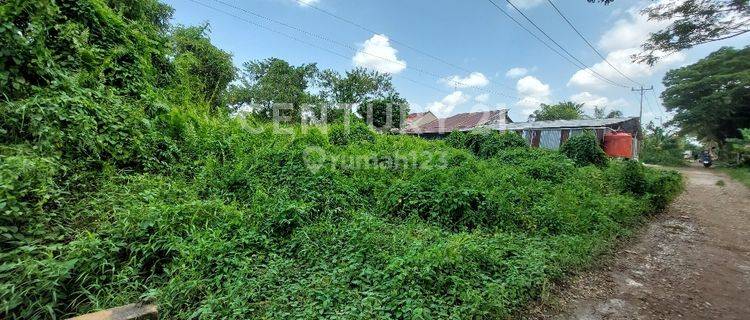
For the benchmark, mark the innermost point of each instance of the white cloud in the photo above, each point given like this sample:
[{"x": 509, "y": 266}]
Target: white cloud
[
  {"x": 525, "y": 4},
  {"x": 377, "y": 54},
  {"x": 516, "y": 72},
  {"x": 621, "y": 42},
  {"x": 635, "y": 28},
  {"x": 475, "y": 79},
  {"x": 621, "y": 59},
  {"x": 445, "y": 106},
  {"x": 533, "y": 92},
  {"x": 531, "y": 86},
  {"x": 482, "y": 98},
  {"x": 591, "y": 100},
  {"x": 630, "y": 32}
]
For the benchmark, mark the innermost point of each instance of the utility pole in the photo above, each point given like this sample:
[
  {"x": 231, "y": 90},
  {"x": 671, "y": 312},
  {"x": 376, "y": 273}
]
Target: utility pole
[
  {"x": 641, "y": 90},
  {"x": 640, "y": 119}
]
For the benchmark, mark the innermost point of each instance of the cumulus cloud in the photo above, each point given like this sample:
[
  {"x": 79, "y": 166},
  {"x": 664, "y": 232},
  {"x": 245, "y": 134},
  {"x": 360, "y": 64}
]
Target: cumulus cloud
[
  {"x": 591, "y": 100},
  {"x": 621, "y": 42},
  {"x": 630, "y": 32},
  {"x": 531, "y": 86},
  {"x": 475, "y": 79},
  {"x": 584, "y": 79},
  {"x": 516, "y": 72},
  {"x": 482, "y": 98},
  {"x": 532, "y": 92},
  {"x": 378, "y": 54},
  {"x": 445, "y": 106}
]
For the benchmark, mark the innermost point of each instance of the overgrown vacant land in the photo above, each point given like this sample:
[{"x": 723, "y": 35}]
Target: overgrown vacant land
[
  {"x": 234, "y": 224},
  {"x": 122, "y": 179}
]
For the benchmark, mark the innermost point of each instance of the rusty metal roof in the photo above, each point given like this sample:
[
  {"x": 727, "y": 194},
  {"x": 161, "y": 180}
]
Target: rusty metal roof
[{"x": 464, "y": 122}]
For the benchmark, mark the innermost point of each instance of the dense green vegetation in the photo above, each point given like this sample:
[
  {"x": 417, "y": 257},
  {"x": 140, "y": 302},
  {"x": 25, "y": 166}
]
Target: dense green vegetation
[
  {"x": 741, "y": 174},
  {"x": 664, "y": 148},
  {"x": 711, "y": 97},
  {"x": 123, "y": 178}
]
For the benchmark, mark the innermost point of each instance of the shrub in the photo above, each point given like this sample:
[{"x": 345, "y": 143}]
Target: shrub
[
  {"x": 485, "y": 144},
  {"x": 584, "y": 150},
  {"x": 628, "y": 176},
  {"x": 356, "y": 132},
  {"x": 28, "y": 191}
]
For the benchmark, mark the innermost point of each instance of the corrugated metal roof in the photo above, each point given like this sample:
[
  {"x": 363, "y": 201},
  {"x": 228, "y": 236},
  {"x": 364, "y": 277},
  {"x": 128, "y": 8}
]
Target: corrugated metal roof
[
  {"x": 464, "y": 121},
  {"x": 583, "y": 123}
]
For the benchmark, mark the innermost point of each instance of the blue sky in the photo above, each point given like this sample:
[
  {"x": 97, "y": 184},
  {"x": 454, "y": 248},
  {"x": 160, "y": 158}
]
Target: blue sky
[{"x": 477, "y": 45}]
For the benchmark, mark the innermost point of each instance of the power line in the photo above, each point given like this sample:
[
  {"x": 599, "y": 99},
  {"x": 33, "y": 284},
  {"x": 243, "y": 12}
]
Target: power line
[
  {"x": 338, "y": 43},
  {"x": 306, "y": 42},
  {"x": 576, "y": 62},
  {"x": 589, "y": 43},
  {"x": 641, "y": 90},
  {"x": 369, "y": 30},
  {"x": 396, "y": 41},
  {"x": 533, "y": 34},
  {"x": 560, "y": 46},
  {"x": 658, "y": 105}
]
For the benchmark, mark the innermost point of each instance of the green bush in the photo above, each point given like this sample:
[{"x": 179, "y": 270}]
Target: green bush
[
  {"x": 584, "y": 150},
  {"x": 28, "y": 192},
  {"x": 116, "y": 188},
  {"x": 485, "y": 144},
  {"x": 357, "y": 131}
]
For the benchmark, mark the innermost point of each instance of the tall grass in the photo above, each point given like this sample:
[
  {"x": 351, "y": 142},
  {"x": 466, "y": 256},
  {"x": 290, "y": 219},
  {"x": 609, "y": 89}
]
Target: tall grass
[{"x": 243, "y": 221}]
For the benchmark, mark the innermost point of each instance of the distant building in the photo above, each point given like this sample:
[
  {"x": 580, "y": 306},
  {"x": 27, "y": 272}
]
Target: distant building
[
  {"x": 552, "y": 134},
  {"x": 415, "y": 120},
  {"x": 438, "y": 128}
]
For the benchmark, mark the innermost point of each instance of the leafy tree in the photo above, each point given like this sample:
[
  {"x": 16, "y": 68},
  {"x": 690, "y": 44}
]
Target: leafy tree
[
  {"x": 561, "y": 111},
  {"x": 601, "y": 113},
  {"x": 693, "y": 22},
  {"x": 662, "y": 147},
  {"x": 711, "y": 98},
  {"x": 208, "y": 69},
  {"x": 357, "y": 86},
  {"x": 384, "y": 113},
  {"x": 740, "y": 147},
  {"x": 270, "y": 81}
]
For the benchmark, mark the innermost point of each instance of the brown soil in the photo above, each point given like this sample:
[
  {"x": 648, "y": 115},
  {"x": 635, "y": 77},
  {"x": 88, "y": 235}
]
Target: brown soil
[{"x": 692, "y": 262}]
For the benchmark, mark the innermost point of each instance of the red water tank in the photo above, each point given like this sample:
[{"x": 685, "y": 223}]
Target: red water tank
[{"x": 618, "y": 144}]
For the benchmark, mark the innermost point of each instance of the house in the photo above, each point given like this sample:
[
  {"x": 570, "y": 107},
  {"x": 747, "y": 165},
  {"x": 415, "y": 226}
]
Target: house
[
  {"x": 439, "y": 128},
  {"x": 418, "y": 119},
  {"x": 552, "y": 134}
]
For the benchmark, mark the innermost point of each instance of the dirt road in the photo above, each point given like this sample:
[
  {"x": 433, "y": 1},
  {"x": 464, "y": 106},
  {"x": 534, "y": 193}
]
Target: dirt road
[{"x": 693, "y": 262}]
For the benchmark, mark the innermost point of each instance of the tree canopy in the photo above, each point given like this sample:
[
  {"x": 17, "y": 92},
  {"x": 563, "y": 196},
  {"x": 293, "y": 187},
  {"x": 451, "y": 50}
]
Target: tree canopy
[
  {"x": 369, "y": 90},
  {"x": 601, "y": 113},
  {"x": 207, "y": 68},
  {"x": 711, "y": 98},
  {"x": 560, "y": 111},
  {"x": 694, "y": 22},
  {"x": 274, "y": 80}
]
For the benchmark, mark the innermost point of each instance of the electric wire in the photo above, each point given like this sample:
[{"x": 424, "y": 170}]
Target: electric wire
[
  {"x": 349, "y": 47},
  {"x": 575, "y": 61},
  {"x": 561, "y": 47},
  {"x": 396, "y": 41},
  {"x": 311, "y": 44},
  {"x": 570, "y": 23}
]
